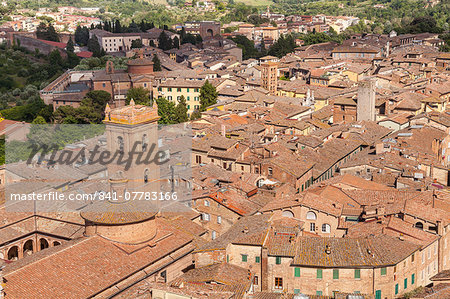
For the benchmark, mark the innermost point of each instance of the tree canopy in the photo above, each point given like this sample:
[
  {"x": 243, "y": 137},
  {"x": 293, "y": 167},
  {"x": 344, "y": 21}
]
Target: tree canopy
[{"x": 208, "y": 96}]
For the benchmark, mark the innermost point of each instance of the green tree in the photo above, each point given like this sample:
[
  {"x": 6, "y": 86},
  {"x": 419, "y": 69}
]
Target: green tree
[
  {"x": 137, "y": 43},
  {"x": 47, "y": 32},
  {"x": 164, "y": 41},
  {"x": 94, "y": 46},
  {"x": 208, "y": 96},
  {"x": 81, "y": 35},
  {"x": 70, "y": 47},
  {"x": 39, "y": 120},
  {"x": 196, "y": 115},
  {"x": 140, "y": 95},
  {"x": 166, "y": 111},
  {"x": 156, "y": 63},
  {"x": 181, "y": 111}
]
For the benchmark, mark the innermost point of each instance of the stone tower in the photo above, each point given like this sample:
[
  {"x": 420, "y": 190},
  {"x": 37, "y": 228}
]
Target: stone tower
[
  {"x": 269, "y": 76},
  {"x": 132, "y": 131},
  {"x": 365, "y": 109}
]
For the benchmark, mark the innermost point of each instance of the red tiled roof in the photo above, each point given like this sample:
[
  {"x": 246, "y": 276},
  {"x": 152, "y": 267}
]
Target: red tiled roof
[
  {"x": 84, "y": 54},
  {"x": 55, "y": 44}
]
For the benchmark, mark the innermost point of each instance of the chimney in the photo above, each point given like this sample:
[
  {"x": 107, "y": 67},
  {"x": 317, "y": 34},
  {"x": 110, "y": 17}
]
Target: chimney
[{"x": 223, "y": 130}]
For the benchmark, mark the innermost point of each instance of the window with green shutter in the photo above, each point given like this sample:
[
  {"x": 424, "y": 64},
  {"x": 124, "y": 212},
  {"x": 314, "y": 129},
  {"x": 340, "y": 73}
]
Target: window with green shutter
[
  {"x": 396, "y": 289},
  {"x": 188, "y": 90},
  {"x": 257, "y": 259},
  {"x": 297, "y": 272},
  {"x": 378, "y": 294},
  {"x": 383, "y": 271},
  {"x": 319, "y": 273},
  {"x": 413, "y": 278},
  {"x": 405, "y": 283},
  {"x": 244, "y": 257},
  {"x": 335, "y": 273},
  {"x": 319, "y": 293},
  {"x": 278, "y": 260},
  {"x": 228, "y": 258},
  {"x": 357, "y": 273},
  {"x": 296, "y": 291}
]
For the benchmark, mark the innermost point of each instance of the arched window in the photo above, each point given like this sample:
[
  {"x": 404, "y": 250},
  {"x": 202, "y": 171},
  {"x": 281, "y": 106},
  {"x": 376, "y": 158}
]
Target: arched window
[
  {"x": 28, "y": 247},
  {"x": 311, "y": 216},
  {"x": 146, "y": 173},
  {"x": 120, "y": 143},
  {"x": 326, "y": 228},
  {"x": 288, "y": 214},
  {"x": 259, "y": 183},
  {"x": 419, "y": 225},
  {"x": 43, "y": 243},
  {"x": 144, "y": 142},
  {"x": 13, "y": 253},
  {"x": 56, "y": 243}
]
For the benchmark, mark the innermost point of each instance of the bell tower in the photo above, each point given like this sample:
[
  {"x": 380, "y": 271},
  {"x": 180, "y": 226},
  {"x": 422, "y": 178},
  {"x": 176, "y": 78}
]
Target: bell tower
[{"x": 132, "y": 135}]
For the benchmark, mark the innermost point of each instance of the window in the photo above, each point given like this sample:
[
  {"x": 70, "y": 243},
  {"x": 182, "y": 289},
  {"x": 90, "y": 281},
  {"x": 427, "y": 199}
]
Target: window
[
  {"x": 255, "y": 280},
  {"x": 319, "y": 293},
  {"x": 357, "y": 273},
  {"x": 278, "y": 282},
  {"x": 257, "y": 259},
  {"x": 296, "y": 291},
  {"x": 188, "y": 98},
  {"x": 187, "y": 89},
  {"x": 412, "y": 258},
  {"x": 311, "y": 216},
  {"x": 198, "y": 159},
  {"x": 378, "y": 294},
  {"x": 319, "y": 273},
  {"x": 159, "y": 88},
  {"x": 396, "y": 289},
  {"x": 297, "y": 272},
  {"x": 146, "y": 173},
  {"x": 120, "y": 143},
  {"x": 169, "y": 89},
  {"x": 383, "y": 271},
  {"x": 270, "y": 171},
  {"x": 335, "y": 273},
  {"x": 312, "y": 227},
  {"x": 104, "y": 84},
  {"x": 326, "y": 228},
  {"x": 169, "y": 98},
  {"x": 206, "y": 202},
  {"x": 206, "y": 217},
  {"x": 244, "y": 257},
  {"x": 405, "y": 283},
  {"x": 413, "y": 278},
  {"x": 219, "y": 219},
  {"x": 278, "y": 260},
  {"x": 179, "y": 89},
  {"x": 213, "y": 235}
]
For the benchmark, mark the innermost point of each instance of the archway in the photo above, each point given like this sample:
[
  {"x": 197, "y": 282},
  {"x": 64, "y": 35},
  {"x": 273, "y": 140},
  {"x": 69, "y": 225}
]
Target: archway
[
  {"x": 288, "y": 214},
  {"x": 13, "y": 253},
  {"x": 28, "y": 247},
  {"x": 43, "y": 243},
  {"x": 419, "y": 225},
  {"x": 311, "y": 215},
  {"x": 210, "y": 32},
  {"x": 56, "y": 243}
]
